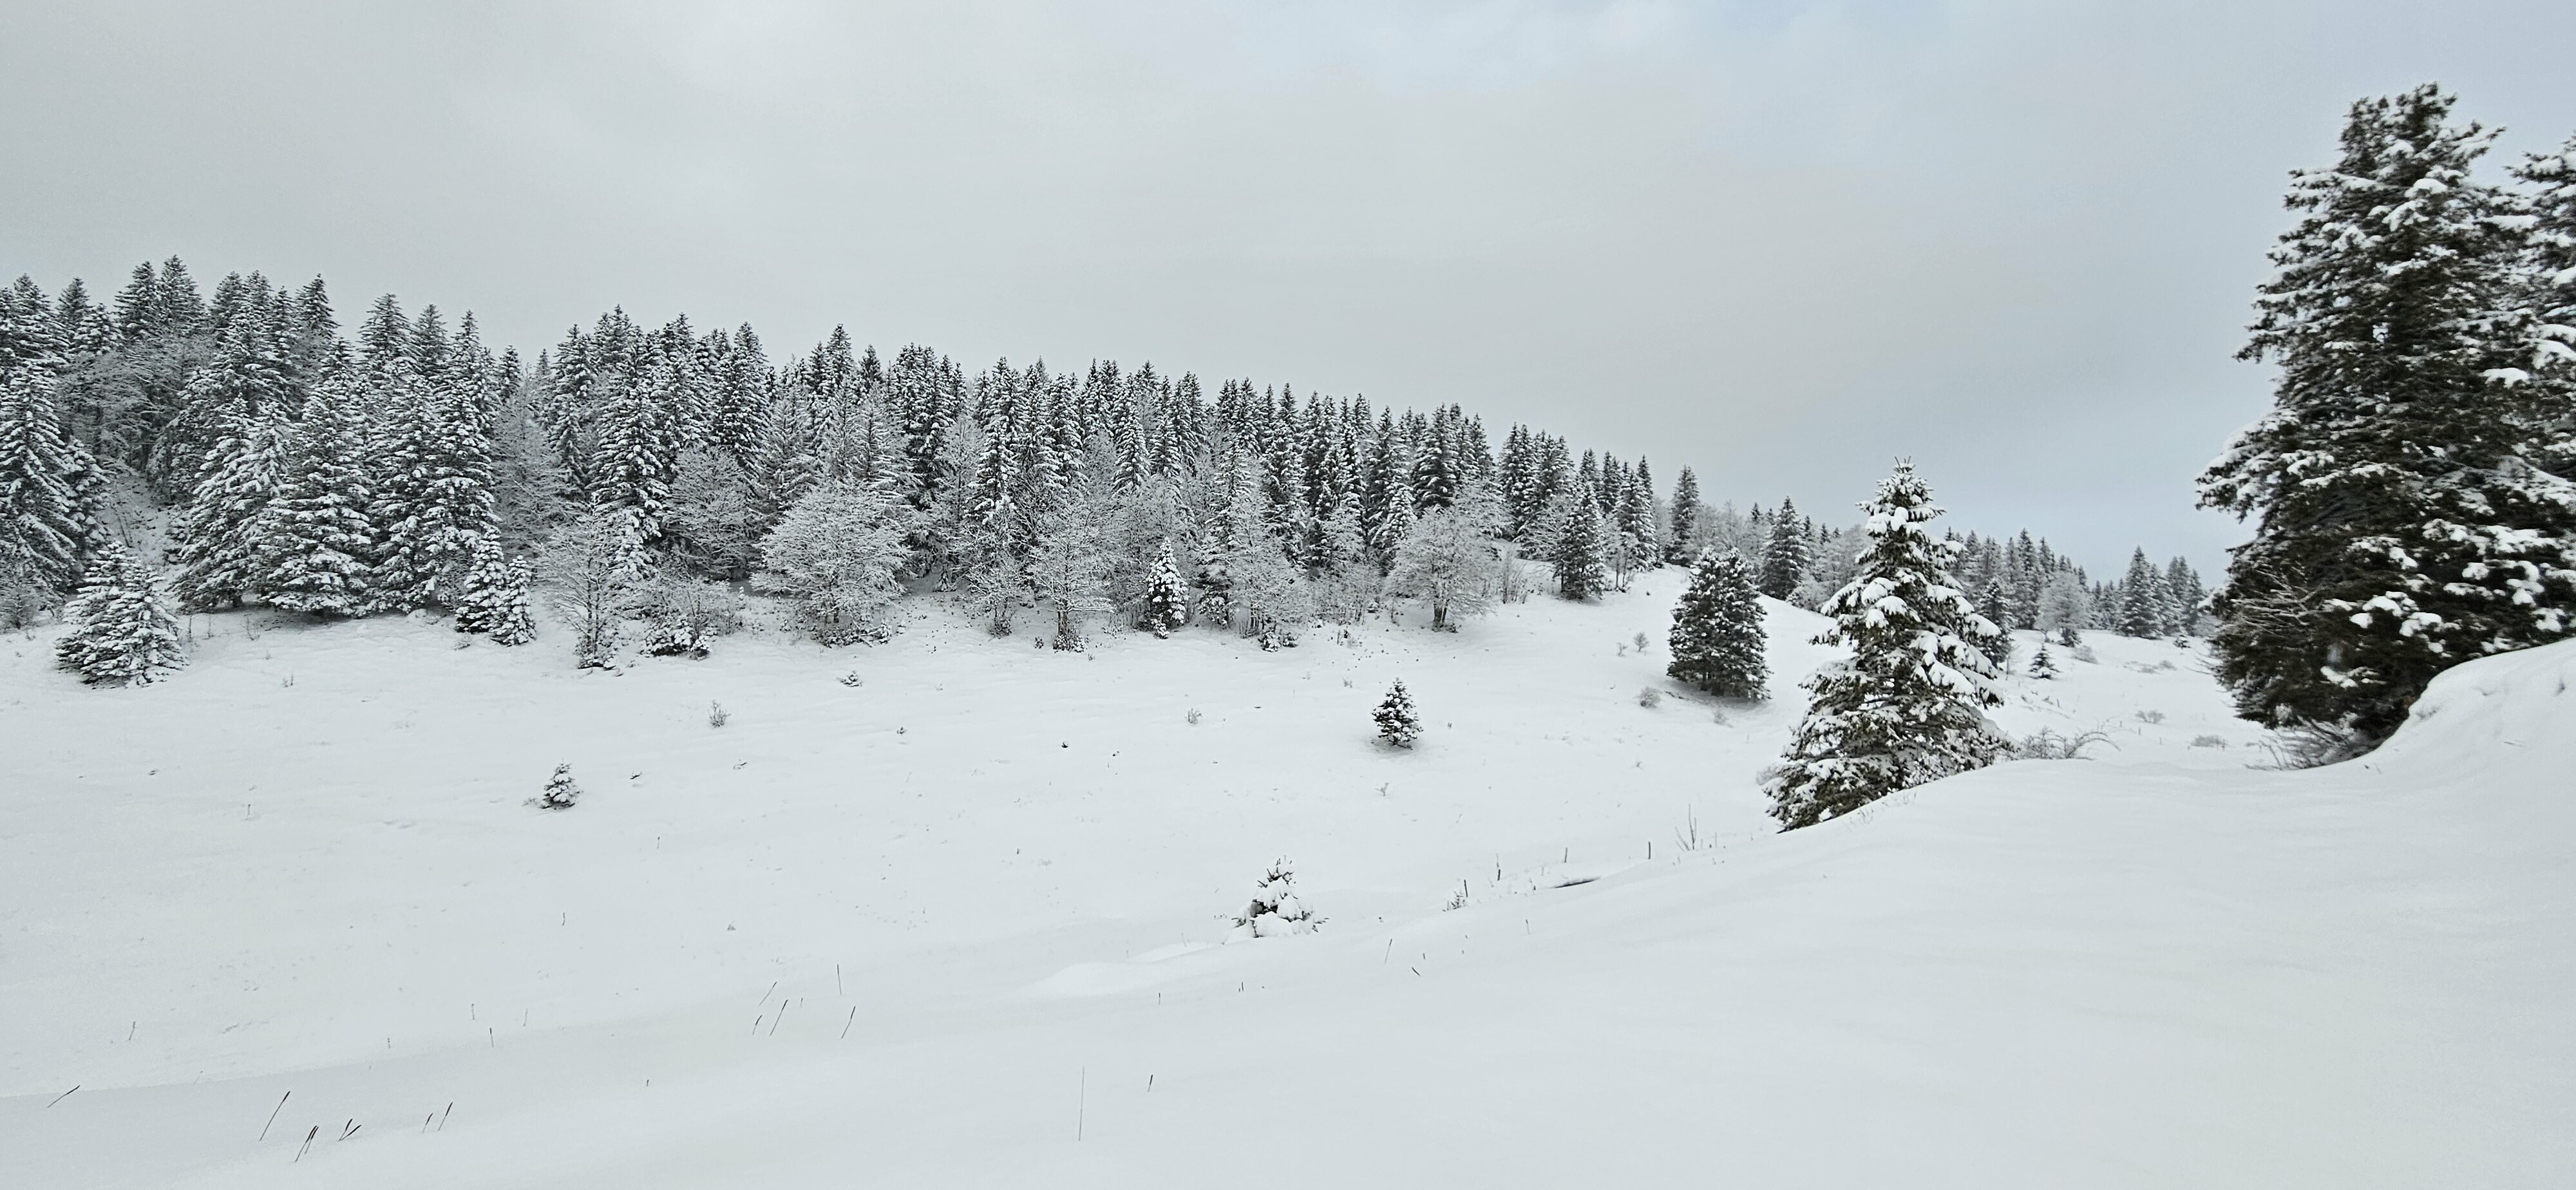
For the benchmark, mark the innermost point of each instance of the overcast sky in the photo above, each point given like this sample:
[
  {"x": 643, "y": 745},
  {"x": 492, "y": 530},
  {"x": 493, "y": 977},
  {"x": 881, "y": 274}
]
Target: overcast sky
[{"x": 1782, "y": 243}]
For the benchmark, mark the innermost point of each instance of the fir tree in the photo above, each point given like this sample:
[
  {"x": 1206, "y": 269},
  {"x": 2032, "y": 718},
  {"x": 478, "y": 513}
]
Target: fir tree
[
  {"x": 1276, "y": 909},
  {"x": 47, "y": 529},
  {"x": 2145, "y": 608},
  {"x": 218, "y": 531},
  {"x": 312, "y": 537},
  {"x": 1786, "y": 557},
  {"x": 2402, "y": 525},
  {"x": 1166, "y": 597},
  {"x": 2041, "y": 664},
  {"x": 1717, "y": 640},
  {"x": 122, "y": 631},
  {"x": 1684, "y": 539},
  {"x": 1396, "y": 722},
  {"x": 495, "y": 598},
  {"x": 1993, "y": 605},
  {"x": 1576, "y": 554},
  {"x": 560, "y": 792},
  {"x": 1909, "y": 705}
]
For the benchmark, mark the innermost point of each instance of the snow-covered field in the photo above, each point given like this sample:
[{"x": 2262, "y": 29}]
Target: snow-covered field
[{"x": 960, "y": 923}]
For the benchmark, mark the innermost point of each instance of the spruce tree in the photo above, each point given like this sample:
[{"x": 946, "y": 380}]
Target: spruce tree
[
  {"x": 1683, "y": 540},
  {"x": 47, "y": 529},
  {"x": 2145, "y": 609},
  {"x": 1909, "y": 705},
  {"x": 1717, "y": 640},
  {"x": 122, "y": 631},
  {"x": 560, "y": 792},
  {"x": 1276, "y": 910},
  {"x": 1786, "y": 557},
  {"x": 1167, "y": 599},
  {"x": 2041, "y": 664},
  {"x": 495, "y": 597},
  {"x": 218, "y": 530},
  {"x": 1995, "y": 608},
  {"x": 312, "y": 537},
  {"x": 1577, "y": 553},
  {"x": 1396, "y": 722},
  {"x": 2402, "y": 525}
]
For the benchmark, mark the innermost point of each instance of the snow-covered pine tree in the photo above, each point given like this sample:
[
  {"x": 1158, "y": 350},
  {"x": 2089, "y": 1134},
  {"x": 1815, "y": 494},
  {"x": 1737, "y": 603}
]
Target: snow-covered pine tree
[
  {"x": 1909, "y": 705},
  {"x": 560, "y": 792},
  {"x": 2041, "y": 664},
  {"x": 487, "y": 592},
  {"x": 122, "y": 632},
  {"x": 1167, "y": 598},
  {"x": 1996, "y": 608},
  {"x": 46, "y": 527},
  {"x": 1786, "y": 557},
  {"x": 1682, "y": 542},
  {"x": 2182, "y": 583},
  {"x": 1397, "y": 724},
  {"x": 2145, "y": 608},
  {"x": 311, "y": 539},
  {"x": 218, "y": 531},
  {"x": 1576, "y": 553},
  {"x": 1276, "y": 909},
  {"x": 1717, "y": 639},
  {"x": 2402, "y": 522},
  {"x": 2549, "y": 287}
]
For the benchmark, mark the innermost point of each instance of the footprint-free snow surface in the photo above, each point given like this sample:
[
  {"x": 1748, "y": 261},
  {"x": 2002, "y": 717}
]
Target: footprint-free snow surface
[{"x": 951, "y": 911}]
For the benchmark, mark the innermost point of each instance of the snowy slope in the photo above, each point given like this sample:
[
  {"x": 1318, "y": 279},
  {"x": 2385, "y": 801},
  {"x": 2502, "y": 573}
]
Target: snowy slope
[{"x": 2155, "y": 967}]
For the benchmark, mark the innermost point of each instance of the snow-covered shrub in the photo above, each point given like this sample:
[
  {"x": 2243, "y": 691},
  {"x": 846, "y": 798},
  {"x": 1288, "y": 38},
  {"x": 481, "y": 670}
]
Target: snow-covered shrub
[
  {"x": 1449, "y": 560},
  {"x": 1276, "y": 910},
  {"x": 122, "y": 631},
  {"x": 23, "y": 600},
  {"x": 716, "y": 715},
  {"x": 2048, "y": 745},
  {"x": 1193, "y": 717},
  {"x": 2208, "y": 741},
  {"x": 686, "y": 613},
  {"x": 709, "y": 523},
  {"x": 1649, "y": 697},
  {"x": 1396, "y": 722},
  {"x": 590, "y": 572},
  {"x": 2151, "y": 716},
  {"x": 1071, "y": 572},
  {"x": 836, "y": 553},
  {"x": 1269, "y": 600},
  {"x": 560, "y": 792}
]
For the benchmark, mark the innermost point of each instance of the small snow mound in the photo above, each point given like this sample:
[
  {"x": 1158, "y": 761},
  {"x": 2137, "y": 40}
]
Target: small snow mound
[{"x": 2513, "y": 711}]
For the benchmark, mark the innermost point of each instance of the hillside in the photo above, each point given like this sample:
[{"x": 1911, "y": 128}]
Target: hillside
[{"x": 987, "y": 883}]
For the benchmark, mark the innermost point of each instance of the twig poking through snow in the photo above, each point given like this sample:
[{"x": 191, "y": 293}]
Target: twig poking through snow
[
  {"x": 65, "y": 1095},
  {"x": 272, "y": 1115}
]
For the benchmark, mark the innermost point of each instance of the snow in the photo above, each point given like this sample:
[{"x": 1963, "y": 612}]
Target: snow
[{"x": 990, "y": 886}]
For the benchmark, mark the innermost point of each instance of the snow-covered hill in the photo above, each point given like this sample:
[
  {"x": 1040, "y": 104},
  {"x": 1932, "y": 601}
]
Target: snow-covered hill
[{"x": 957, "y": 924}]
